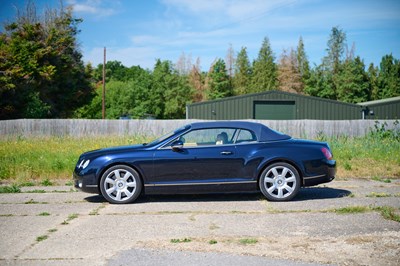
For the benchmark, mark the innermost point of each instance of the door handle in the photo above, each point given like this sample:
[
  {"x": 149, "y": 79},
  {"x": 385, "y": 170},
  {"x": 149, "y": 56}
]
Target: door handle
[{"x": 226, "y": 153}]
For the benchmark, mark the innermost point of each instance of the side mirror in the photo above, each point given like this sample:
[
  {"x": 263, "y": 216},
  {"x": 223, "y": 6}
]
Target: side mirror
[{"x": 177, "y": 145}]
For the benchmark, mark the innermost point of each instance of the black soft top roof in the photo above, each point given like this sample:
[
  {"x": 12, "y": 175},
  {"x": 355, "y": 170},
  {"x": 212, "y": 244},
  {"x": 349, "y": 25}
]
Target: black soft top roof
[{"x": 262, "y": 132}]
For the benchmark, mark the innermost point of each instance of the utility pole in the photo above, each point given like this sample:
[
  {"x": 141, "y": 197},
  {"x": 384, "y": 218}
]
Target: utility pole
[{"x": 104, "y": 86}]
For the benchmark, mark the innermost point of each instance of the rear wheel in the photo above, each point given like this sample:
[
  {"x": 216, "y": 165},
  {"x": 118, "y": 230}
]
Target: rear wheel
[
  {"x": 280, "y": 182},
  {"x": 120, "y": 184}
]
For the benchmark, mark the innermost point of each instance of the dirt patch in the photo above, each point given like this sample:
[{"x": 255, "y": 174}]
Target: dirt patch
[{"x": 370, "y": 249}]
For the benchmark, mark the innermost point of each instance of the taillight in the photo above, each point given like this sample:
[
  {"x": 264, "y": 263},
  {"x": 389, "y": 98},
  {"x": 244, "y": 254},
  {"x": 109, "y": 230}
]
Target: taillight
[{"x": 327, "y": 153}]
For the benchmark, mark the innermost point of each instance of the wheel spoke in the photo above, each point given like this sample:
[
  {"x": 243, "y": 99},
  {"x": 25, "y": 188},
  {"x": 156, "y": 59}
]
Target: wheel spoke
[
  {"x": 127, "y": 193},
  {"x": 118, "y": 196},
  {"x": 271, "y": 189},
  {"x": 275, "y": 172},
  {"x": 284, "y": 172},
  {"x": 291, "y": 179},
  {"x": 288, "y": 189},
  {"x": 280, "y": 192},
  {"x": 110, "y": 181},
  {"x": 117, "y": 175},
  {"x": 131, "y": 184},
  {"x": 110, "y": 190},
  {"x": 268, "y": 180},
  {"x": 126, "y": 176}
]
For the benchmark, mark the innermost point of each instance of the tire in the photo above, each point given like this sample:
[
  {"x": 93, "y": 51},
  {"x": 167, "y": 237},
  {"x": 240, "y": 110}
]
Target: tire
[
  {"x": 280, "y": 182},
  {"x": 120, "y": 184}
]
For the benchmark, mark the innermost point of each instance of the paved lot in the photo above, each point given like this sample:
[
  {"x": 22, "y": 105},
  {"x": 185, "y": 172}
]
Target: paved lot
[{"x": 61, "y": 227}]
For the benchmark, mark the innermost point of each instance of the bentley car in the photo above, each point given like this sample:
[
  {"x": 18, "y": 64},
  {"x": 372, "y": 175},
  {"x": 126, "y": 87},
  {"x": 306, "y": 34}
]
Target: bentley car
[{"x": 207, "y": 157}]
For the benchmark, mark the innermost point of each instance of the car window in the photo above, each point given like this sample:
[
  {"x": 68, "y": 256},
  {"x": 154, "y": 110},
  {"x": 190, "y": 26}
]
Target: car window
[
  {"x": 207, "y": 137},
  {"x": 246, "y": 136}
]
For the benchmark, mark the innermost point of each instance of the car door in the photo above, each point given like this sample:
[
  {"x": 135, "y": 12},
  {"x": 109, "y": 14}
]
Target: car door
[{"x": 207, "y": 156}]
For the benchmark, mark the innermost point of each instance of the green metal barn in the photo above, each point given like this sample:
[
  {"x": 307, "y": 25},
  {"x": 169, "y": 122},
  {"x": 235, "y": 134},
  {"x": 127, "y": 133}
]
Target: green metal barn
[
  {"x": 275, "y": 105},
  {"x": 382, "y": 109}
]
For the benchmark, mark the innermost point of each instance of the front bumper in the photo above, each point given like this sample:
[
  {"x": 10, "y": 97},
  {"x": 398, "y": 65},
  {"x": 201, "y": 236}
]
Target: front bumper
[{"x": 86, "y": 183}]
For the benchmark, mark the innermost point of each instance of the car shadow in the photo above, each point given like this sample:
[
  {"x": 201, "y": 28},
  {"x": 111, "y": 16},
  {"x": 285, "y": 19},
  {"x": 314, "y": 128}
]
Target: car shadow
[
  {"x": 315, "y": 193},
  {"x": 311, "y": 193}
]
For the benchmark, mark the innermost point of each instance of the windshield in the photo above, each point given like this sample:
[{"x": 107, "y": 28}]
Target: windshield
[{"x": 168, "y": 135}]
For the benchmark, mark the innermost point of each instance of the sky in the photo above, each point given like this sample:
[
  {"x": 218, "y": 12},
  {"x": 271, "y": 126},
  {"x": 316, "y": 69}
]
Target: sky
[{"x": 137, "y": 32}]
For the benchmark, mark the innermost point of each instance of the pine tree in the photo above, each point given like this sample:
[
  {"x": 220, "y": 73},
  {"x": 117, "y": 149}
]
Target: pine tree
[
  {"x": 264, "y": 76},
  {"x": 218, "y": 85},
  {"x": 289, "y": 76},
  {"x": 373, "y": 82},
  {"x": 196, "y": 82},
  {"x": 389, "y": 77},
  {"x": 242, "y": 77},
  {"x": 302, "y": 62},
  {"x": 353, "y": 84}
]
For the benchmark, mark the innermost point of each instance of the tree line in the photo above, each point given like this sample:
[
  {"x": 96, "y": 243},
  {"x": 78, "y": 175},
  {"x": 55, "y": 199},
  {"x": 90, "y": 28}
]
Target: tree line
[{"x": 42, "y": 75}]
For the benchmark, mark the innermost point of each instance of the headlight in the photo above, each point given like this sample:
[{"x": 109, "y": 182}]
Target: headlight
[{"x": 83, "y": 164}]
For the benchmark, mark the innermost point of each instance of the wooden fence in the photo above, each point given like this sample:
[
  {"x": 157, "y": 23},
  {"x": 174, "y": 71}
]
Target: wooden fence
[{"x": 86, "y": 127}]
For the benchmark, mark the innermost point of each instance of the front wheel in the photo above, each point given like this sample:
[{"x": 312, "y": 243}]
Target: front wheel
[
  {"x": 120, "y": 184},
  {"x": 280, "y": 182}
]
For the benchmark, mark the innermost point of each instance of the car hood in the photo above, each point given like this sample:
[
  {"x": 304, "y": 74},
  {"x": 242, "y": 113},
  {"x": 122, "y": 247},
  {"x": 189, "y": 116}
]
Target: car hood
[{"x": 112, "y": 150}]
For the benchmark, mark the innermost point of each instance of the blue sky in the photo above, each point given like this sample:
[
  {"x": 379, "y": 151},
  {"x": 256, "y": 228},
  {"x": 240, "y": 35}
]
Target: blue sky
[{"x": 137, "y": 32}]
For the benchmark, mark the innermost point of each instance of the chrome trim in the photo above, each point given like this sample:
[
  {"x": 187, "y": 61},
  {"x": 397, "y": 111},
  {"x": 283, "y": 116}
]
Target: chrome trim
[
  {"x": 312, "y": 177},
  {"x": 190, "y": 184},
  {"x": 91, "y": 186}
]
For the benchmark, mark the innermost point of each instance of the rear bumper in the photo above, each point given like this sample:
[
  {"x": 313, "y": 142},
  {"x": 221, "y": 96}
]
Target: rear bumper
[{"x": 325, "y": 176}]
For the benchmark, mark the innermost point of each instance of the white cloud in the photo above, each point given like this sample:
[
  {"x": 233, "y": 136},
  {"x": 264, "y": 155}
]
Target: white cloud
[
  {"x": 100, "y": 8},
  {"x": 129, "y": 56}
]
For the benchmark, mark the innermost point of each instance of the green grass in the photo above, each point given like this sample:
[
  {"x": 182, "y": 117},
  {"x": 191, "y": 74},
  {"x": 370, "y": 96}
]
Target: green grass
[
  {"x": 248, "y": 241},
  {"x": 36, "y": 191},
  {"x": 72, "y": 216},
  {"x": 352, "y": 210},
  {"x": 212, "y": 242},
  {"x": 366, "y": 157},
  {"x": 45, "y": 160},
  {"x": 389, "y": 213},
  {"x": 44, "y": 214},
  {"x": 183, "y": 240},
  {"x": 378, "y": 195},
  {"x": 380, "y": 179},
  {"x": 10, "y": 189},
  {"x": 41, "y": 238}
]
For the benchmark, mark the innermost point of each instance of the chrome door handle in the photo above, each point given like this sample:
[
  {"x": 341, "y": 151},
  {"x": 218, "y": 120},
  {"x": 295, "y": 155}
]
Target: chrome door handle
[{"x": 226, "y": 153}]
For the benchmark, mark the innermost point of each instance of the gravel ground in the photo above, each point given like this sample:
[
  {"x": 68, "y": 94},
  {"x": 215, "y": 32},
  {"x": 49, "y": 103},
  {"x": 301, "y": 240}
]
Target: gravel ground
[{"x": 63, "y": 227}]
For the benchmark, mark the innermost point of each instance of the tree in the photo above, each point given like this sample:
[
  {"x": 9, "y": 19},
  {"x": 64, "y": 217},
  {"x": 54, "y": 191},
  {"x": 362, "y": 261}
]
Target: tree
[
  {"x": 302, "y": 62},
  {"x": 289, "y": 77},
  {"x": 353, "y": 85},
  {"x": 373, "y": 82},
  {"x": 264, "y": 76},
  {"x": 43, "y": 74},
  {"x": 218, "y": 85},
  {"x": 184, "y": 64},
  {"x": 242, "y": 77},
  {"x": 196, "y": 82},
  {"x": 324, "y": 80},
  {"x": 389, "y": 77},
  {"x": 126, "y": 97},
  {"x": 230, "y": 61},
  {"x": 335, "y": 50},
  {"x": 178, "y": 95}
]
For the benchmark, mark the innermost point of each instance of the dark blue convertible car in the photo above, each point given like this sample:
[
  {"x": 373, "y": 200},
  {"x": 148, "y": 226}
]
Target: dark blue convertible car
[{"x": 208, "y": 157}]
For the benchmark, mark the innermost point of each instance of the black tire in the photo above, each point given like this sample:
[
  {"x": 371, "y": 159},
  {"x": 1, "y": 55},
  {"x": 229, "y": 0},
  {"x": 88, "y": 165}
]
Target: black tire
[
  {"x": 280, "y": 182},
  {"x": 120, "y": 184}
]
